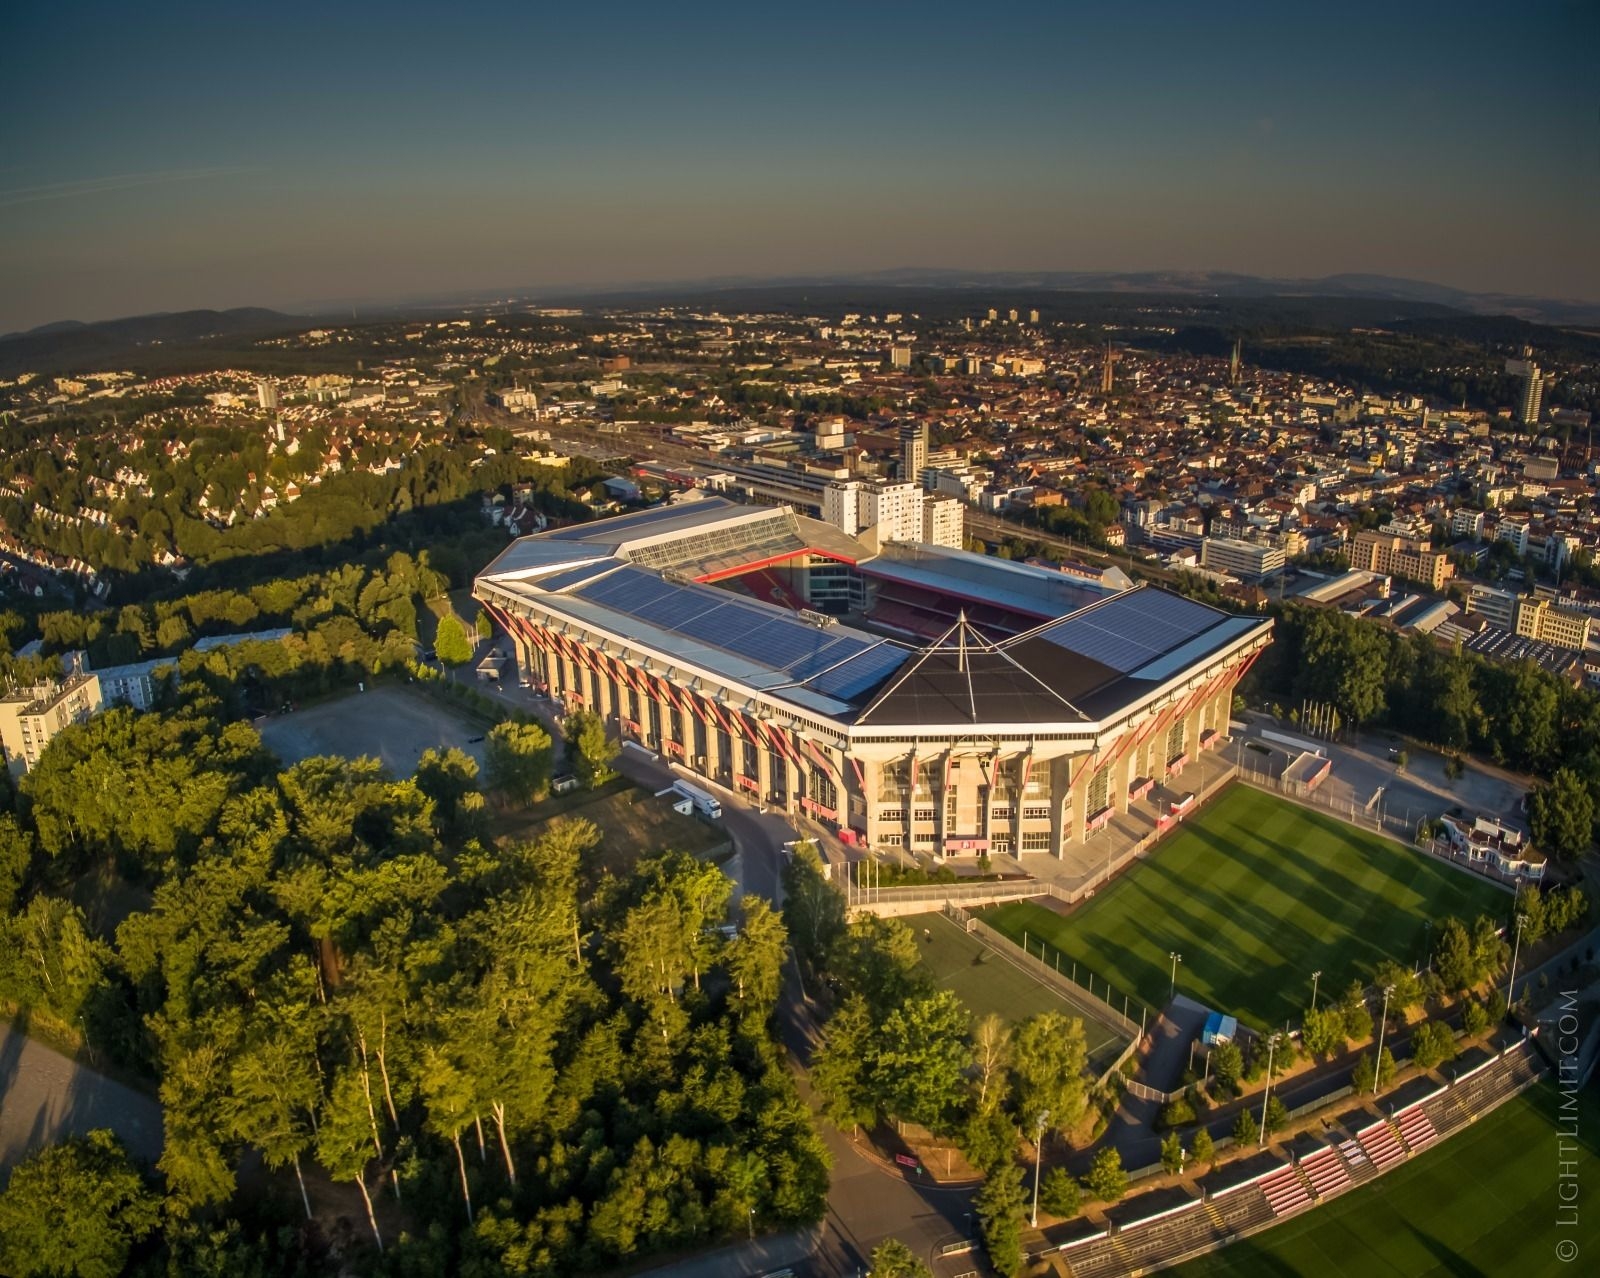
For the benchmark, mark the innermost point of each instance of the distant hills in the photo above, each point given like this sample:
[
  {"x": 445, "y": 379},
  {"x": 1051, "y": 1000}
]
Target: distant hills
[
  {"x": 72, "y": 344},
  {"x": 1197, "y": 284},
  {"x": 1216, "y": 298}
]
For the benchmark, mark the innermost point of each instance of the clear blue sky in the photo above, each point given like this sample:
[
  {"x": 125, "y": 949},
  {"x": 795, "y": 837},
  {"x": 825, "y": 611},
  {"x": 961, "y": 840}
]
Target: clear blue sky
[{"x": 159, "y": 156}]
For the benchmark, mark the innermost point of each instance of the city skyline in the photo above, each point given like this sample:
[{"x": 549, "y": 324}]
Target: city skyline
[{"x": 186, "y": 157}]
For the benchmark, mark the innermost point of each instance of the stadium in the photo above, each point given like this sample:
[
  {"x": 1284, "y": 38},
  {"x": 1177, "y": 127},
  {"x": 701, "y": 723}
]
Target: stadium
[{"x": 901, "y": 695}]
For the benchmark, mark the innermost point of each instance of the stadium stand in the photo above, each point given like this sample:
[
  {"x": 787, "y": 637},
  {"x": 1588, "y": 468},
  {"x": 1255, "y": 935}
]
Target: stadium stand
[
  {"x": 1382, "y": 1145},
  {"x": 1416, "y": 1128},
  {"x": 1326, "y": 1172},
  {"x": 1285, "y": 1192}
]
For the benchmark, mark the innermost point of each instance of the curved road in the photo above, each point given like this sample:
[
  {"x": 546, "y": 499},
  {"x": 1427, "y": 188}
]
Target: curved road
[{"x": 45, "y": 1097}]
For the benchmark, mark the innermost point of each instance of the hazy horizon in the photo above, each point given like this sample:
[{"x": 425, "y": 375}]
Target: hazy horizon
[{"x": 185, "y": 156}]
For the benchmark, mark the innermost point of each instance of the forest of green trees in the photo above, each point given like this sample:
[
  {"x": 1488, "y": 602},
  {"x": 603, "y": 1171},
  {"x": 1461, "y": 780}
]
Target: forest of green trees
[{"x": 489, "y": 1059}]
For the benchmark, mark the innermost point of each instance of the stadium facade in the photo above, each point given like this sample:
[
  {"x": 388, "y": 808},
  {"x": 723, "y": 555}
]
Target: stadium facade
[{"x": 901, "y": 695}]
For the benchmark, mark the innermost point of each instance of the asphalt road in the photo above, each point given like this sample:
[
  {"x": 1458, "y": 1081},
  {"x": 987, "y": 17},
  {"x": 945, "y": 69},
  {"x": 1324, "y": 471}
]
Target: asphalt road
[{"x": 46, "y": 1097}]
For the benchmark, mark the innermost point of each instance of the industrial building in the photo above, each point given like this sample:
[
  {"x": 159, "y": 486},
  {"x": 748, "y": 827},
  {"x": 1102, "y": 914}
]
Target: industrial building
[{"x": 900, "y": 694}]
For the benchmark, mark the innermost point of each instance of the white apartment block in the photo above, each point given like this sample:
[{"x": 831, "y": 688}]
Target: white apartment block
[{"x": 944, "y": 522}]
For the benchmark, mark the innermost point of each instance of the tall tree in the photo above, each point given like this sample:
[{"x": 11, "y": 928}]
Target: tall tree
[
  {"x": 450, "y": 641},
  {"x": 920, "y": 1058},
  {"x": 590, "y": 751},
  {"x": 1561, "y": 815},
  {"x": 991, "y": 1058},
  {"x": 77, "y": 1207},
  {"x": 840, "y": 1070},
  {"x": 754, "y": 958},
  {"x": 275, "y": 1089},
  {"x": 518, "y": 758},
  {"x": 344, "y": 1140},
  {"x": 1000, "y": 1204},
  {"x": 1049, "y": 1055},
  {"x": 893, "y": 1259}
]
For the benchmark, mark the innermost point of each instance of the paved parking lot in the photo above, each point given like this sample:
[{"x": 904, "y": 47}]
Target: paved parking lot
[{"x": 392, "y": 724}]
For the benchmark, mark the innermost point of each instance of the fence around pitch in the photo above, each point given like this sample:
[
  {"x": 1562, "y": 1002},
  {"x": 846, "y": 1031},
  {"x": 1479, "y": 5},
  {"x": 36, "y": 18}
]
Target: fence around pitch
[{"x": 894, "y": 900}]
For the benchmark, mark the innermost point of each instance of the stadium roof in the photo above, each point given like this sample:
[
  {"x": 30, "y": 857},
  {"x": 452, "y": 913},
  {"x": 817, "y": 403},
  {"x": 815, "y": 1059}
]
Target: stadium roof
[{"x": 643, "y": 579}]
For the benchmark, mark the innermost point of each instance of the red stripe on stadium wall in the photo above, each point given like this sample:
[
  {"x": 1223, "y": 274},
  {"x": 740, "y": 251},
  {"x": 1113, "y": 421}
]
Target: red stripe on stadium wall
[
  {"x": 746, "y": 725},
  {"x": 1176, "y": 710},
  {"x": 1027, "y": 769},
  {"x": 861, "y": 776},
  {"x": 725, "y": 720},
  {"x": 822, "y": 760},
  {"x": 779, "y": 739},
  {"x": 1173, "y": 712}
]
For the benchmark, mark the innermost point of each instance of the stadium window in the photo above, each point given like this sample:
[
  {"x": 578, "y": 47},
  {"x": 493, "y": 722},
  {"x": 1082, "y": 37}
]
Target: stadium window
[
  {"x": 1036, "y": 813},
  {"x": 1036, "y": 841},
  {"x": 1004, "y": 813},
  {"x": 897, "y": 815},
  {"x": 1099, "y": 790},
  {"x": 893, "y": 840},
  {"x": 950, "y": 807},
  {"x": 1175, "y": 741},
  {"x": 924, "y": 814}
]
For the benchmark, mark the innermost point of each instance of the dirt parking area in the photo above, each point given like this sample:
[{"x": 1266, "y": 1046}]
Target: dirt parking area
[{"x": 393, "y": 725}]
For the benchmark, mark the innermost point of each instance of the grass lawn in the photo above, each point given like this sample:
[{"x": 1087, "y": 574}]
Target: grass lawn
[
  {"x": 1483, "y": 1202},
  {"x": 1256, "y": 893},
  {"x": 989, "y": 984}
]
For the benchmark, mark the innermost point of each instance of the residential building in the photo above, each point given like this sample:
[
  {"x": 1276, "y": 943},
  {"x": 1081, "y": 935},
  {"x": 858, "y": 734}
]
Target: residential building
[
  {"x": 1395, "y": 556},
  {"x": 944, "y": 522},
  {"x": 1466, "y": 523},
  {"x": 31, "y": 717},
  {"x": 913, "y": 451}
]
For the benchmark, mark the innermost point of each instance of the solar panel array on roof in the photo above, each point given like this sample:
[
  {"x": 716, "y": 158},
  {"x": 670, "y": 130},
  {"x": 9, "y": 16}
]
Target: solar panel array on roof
[
  {"x": 576, "y": 576},
  {"x": 773, "y": 640},
  {"x": 862, "y": 672},
  {"x": 529, "y": 555},
  {"x": 1130, "y": 630}
]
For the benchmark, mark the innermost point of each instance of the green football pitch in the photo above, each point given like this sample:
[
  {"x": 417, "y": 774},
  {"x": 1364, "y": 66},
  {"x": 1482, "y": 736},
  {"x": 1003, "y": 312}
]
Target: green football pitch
[
  {"x": 990, "y": 984},
  {"x": 1256, "y": 894},
  {"x": 1483, "y": 1202}
]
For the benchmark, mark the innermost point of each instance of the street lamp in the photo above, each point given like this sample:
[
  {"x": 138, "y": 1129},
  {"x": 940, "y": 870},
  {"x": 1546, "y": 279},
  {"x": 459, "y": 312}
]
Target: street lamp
[
  {"x": 1315, "y": 977},
  {"x": 1516, "y": 949},
  {"x": 1383, "y": 1024},
  {"x": 1272, "y": 1046},
  {"x": 1038, "y": 1162},
  {"x": 1176, "y": 959}
]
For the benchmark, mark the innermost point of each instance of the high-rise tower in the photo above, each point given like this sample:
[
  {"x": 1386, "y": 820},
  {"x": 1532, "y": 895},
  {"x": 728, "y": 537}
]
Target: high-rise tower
[{"x": 913, "y": 451}]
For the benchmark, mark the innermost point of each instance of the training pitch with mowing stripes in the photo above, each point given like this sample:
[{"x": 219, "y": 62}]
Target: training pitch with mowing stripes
[
  {"x": 988, "y": 982},
  {"x": 1256, "y": 893}
]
